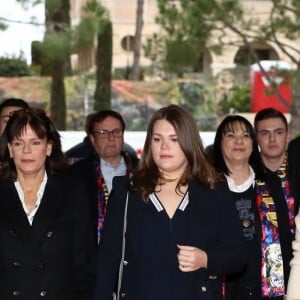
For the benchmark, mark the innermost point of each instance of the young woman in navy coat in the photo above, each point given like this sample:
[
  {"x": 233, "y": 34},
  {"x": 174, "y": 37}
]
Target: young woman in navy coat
[
  {"x": 182, "y": 235},
  {"x": 47, "y": 249}
]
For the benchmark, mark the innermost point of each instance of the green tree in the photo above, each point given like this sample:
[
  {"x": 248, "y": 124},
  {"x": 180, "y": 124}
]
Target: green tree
[
  {"x": 196, "y": 22},
  {"x": 185, "y": 34},
  {"x": 55, "y": 53},
  {"x": 59, "y": 41},
  {"x": 13, "y": 67},
  {"x": 181, "y": 57},
  {"x": 3, "y": 26},
  {"x": 135, "y": 73},
  {"x": 95, "y": 22},
  {"x": 104, "y": 64},
  {"x": 93, "y": 18},
  {"x": 238, "y": 100}
]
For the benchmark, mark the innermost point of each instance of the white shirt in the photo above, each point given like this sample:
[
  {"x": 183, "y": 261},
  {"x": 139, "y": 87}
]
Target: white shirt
[
  {"x": 244, "y": 186},
  {"x": 39, "y": 195},
  {"x": 109, "y": 172}
]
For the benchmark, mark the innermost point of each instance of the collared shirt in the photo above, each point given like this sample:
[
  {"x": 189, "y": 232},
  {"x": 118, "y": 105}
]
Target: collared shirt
[
  {"x": 109, "y": 172},
  {"x": 30, "y": 214},
  {"x": 244, "y": 186}
]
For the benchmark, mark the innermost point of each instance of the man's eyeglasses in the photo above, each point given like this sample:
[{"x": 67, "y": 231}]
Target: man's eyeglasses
[{"x": 103, "y": 133}]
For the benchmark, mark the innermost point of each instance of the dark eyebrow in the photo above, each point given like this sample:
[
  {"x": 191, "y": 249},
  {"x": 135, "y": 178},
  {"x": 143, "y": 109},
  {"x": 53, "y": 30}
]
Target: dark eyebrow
[
  {"x": 171, "y": 135},
  {"x": 273, "y": 130}
]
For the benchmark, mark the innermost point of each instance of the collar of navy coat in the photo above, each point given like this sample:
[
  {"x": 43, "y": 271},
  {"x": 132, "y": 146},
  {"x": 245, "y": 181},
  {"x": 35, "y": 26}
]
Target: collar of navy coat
[{"x": 157, "y": 204}]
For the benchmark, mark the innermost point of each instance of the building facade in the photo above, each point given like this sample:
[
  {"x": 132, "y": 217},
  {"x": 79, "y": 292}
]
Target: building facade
[{"x": 123, "y": 16}]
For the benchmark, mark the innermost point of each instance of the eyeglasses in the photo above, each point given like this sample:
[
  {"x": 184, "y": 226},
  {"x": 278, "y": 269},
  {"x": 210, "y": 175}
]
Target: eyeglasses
[{"x": 104, "y": 134}]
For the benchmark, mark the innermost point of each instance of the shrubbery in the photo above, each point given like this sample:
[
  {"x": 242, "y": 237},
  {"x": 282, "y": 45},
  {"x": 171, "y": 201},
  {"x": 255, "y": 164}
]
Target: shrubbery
[{"x": 14, "y": 67}]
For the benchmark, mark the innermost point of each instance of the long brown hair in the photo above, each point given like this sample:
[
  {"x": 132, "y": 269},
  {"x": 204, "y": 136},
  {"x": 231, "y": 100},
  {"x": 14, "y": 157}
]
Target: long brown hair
[{"x": 147, "y": 174}]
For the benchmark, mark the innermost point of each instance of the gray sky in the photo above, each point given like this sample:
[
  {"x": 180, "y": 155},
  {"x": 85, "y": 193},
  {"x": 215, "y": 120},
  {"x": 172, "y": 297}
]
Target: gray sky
[{"x": 18, "y": 37}]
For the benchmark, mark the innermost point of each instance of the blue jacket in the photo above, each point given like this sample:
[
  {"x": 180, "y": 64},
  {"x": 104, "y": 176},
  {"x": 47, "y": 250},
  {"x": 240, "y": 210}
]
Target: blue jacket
[{"x": 213, "y": 226}]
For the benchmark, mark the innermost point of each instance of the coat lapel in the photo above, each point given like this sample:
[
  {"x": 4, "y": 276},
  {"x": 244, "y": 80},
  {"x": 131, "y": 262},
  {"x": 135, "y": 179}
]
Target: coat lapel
[{"x": 13, "y": 211}]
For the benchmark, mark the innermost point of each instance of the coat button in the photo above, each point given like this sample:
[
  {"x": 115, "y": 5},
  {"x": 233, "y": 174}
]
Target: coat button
[
  {"x": 125, "y": 263},
  {"x": 16, "y": 293},
  {"x": 11, "y": 233},
  {"x": 49, "y": 234},
  {"x": 41, "y": 265},
  {"x": 203, "y": 289},
  {"x": 43, "y": 293},
  {"x": 16, "y": 264}
]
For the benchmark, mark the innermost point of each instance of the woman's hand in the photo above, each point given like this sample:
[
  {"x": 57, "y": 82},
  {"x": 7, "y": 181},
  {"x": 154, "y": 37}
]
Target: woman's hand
[{"x": 191, "y": 258}]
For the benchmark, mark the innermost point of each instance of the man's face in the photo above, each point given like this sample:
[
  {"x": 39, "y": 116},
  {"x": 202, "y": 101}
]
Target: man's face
[
  {"x": 5, "y": 115},
  {"x": 108, "y": 138},
  {"x": 272, "y": 137}
]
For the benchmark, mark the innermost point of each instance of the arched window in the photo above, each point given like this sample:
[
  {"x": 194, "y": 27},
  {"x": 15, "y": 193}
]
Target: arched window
[{"x": 127, "y": 43}]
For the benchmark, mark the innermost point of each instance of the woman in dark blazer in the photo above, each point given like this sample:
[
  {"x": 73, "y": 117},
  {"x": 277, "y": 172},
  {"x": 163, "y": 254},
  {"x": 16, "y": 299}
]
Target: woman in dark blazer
[
  {"x": 45, "y": 226},
  {"x": 236, "y": 155},
  {"x": 182, "y": 235}
]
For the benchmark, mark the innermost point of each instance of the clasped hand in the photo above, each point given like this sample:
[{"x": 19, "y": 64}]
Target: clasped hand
[{"x": 191, "y": 258}]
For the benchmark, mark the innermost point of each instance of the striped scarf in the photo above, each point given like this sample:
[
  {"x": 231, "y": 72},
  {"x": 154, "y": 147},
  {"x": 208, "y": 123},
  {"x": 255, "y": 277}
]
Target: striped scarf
[
  {"x": 102, "y": 190},
  {"x": 272, "y": 277}
]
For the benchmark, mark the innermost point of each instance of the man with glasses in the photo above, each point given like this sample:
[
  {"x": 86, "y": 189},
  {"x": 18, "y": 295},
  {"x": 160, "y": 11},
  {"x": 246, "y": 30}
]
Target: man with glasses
[
  {"x": 106, "y": 133},
  {"x": 277, "y": 204},
  {"x": 85, "y": 148}
]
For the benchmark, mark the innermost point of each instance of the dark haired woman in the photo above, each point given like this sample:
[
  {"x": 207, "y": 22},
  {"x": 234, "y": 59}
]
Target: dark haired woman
[
  {"x": 262, "y": 210},
  {"x": 235, "y": 154},
  {"x": 45, "y": 227}
]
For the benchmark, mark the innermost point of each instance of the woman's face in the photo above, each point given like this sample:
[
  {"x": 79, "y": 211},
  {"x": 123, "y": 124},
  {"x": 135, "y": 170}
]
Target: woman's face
[
  {"x": 166, "y": 151},
  {"x": 236, "y": 144},
  {"x": 29, "y": 152}
]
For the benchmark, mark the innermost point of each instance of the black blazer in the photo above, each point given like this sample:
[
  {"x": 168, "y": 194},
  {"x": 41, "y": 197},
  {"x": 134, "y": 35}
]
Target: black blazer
[
  {"x": 213, "y": 226},
  {"x": 237, "y": 288},
  {"x": 85, "y": 171},
  {"x": 54, "y": 258}
]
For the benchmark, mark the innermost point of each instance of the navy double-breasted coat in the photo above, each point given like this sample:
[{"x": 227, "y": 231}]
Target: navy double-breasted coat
[
  {"x": 213, "y": 226},
  {"x": 54, "y": 258}
]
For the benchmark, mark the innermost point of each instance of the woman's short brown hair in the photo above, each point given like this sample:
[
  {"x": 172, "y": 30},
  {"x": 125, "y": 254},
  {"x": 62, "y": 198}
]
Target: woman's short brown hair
[{"x": 43, "y": 127}]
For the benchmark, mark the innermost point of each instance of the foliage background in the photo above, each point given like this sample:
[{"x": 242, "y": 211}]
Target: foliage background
[{"x": 136, "y": 101}]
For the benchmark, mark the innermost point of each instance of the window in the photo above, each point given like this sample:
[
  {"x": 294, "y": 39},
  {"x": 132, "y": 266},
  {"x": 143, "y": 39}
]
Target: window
[{"x": 127, "y": 43}]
